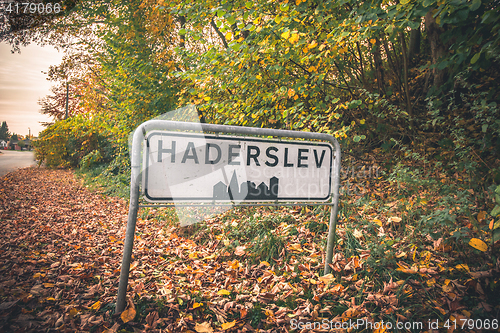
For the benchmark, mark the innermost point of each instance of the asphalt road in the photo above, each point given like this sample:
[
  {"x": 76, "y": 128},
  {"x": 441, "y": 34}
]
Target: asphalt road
[{"x": 11, "y": 160}]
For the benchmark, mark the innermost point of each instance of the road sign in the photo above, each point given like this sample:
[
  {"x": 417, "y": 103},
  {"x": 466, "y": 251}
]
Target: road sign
[
  {"x": 208, "y": 168},
  {"x": 178, "y": 164}
]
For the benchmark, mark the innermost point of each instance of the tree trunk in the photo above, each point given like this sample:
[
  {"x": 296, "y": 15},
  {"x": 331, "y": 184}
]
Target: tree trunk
[
  {"x": 414, "y": 47},
  {"x": 379, "y": 71},
  {"x": 405, "y": 76},
  {"x": 438, "y": 50}
]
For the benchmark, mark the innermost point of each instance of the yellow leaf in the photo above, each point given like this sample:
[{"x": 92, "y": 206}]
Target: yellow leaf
[
  {"x": 258, "y": 77},
  {"x": 128, "y": 315},
  {"x": 50, "y": 299},
  {"x": 297, "y": 2},
  {"x": 73, "y": 312},
  {"x": 226, "y": 326},
  {"x": 285, "y": 35},
  {"x": 223, "y": 292},
  {"x": 203, "y": 328},
  {"x": 362, "y": 121},
  {"x": 48, "y": 285},
  {"x": 478, "y": 244},
  {"x": 229, "y": 35},
  {"x": 210, "y": 257},
  {"x": 466, "y": 313},
  {"x": 294, "y": 38},
  {"x": 96, "y": 305},
  {"x": 235, "y": 264},
  {"x": 377, "y": 221},
  {"x": 463, "y": 267},
  {"x": 197, "y": 305},
  {"x": 265, "y": 263}
]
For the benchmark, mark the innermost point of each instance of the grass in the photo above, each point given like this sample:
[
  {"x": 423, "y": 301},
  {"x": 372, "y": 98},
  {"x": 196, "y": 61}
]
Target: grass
[{"x": 392, "y": 231}]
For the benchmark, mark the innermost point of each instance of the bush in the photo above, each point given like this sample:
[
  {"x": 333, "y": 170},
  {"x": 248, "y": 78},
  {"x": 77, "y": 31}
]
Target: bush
[{"x": 77, "y": 141}]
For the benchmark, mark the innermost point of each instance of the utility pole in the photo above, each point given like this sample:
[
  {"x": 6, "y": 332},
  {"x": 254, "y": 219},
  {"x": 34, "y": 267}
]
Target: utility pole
[{"x": 67, "y": 97}]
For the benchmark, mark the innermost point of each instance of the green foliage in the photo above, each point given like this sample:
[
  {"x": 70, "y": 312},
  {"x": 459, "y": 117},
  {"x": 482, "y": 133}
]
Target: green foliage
[
  {"x": 495, "y": 227},
  {"x": 4, "y": 131},
  {"x": 79, "y": 139}
]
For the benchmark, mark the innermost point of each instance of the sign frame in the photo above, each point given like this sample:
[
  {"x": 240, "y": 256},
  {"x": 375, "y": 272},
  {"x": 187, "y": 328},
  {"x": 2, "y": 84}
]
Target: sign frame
[
  {"x": 323, "y": 162},
  {"x": 140, "y": 140}
]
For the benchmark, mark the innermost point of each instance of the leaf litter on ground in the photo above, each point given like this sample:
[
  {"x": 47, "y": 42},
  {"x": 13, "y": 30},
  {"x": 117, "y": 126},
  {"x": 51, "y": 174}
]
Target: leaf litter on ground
[{"x": 62, "y": 249}]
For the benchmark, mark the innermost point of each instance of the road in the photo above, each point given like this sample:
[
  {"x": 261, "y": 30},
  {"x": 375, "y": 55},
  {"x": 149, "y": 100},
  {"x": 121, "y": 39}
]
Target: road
[{"x": 11, "y": 160}]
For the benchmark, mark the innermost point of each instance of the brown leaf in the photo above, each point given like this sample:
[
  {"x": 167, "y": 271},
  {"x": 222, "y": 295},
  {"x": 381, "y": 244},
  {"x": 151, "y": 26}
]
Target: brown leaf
[
  {"x": 203, "y": 328},
  {"x": 152, "y": 319},
  {"x": 240, "y": 250},
  {"x": 7, "y": 305}
]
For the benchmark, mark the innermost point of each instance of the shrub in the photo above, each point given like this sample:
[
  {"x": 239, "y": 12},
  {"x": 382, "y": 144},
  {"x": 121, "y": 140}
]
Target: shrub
[{"x": 70, "y": 142}]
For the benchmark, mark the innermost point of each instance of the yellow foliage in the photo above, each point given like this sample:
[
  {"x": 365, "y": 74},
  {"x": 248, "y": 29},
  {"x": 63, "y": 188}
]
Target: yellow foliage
[{"x": 294, "y": 38}]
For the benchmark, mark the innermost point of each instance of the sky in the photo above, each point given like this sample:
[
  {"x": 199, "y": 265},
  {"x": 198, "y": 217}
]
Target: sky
[{"x": 22, "y": 84}]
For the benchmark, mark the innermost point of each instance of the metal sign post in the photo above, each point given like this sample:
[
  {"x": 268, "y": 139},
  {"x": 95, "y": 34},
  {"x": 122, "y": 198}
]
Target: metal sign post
[{"x": 181, "y": 164}]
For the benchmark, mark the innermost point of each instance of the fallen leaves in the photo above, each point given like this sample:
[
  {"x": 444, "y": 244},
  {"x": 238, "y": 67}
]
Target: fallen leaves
[{"x": 63, "y": 266}]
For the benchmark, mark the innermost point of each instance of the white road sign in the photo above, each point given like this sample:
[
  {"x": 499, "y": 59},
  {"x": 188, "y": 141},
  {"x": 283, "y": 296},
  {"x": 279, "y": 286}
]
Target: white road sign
[{"x": 191, "y": 167}]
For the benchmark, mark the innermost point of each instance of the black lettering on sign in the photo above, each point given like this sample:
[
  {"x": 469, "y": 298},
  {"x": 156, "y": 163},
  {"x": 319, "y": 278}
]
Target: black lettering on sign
[
  {"x": 253, "y": 156},
  {"x": 207, "y": 153},
  {"x": 233, "y": 154},
  {"x": 190, "y": 147},
  {"x": 286, "y": 159},
  {"x": 318, "y": 163},
  {"x": 162, "y": 151},
  {"x": 300, "y": 158},
  {"x": 274, "y": 157}
]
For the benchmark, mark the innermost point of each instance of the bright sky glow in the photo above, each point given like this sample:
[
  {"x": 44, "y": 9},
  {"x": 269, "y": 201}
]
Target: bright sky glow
[{"x": 22, "y": 84}]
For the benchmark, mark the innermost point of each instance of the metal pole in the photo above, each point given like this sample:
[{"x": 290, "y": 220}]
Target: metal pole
[
  {"x": 332, "y": 229},
  {"x": 132, "y": 219}
]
